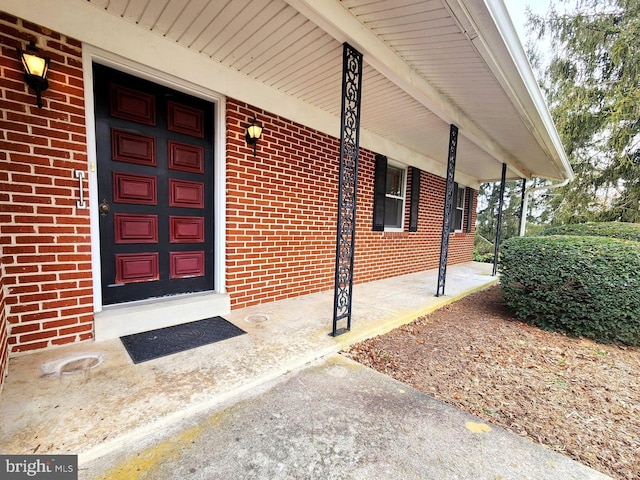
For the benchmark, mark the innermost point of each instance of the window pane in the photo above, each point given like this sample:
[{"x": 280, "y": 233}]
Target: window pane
[
  {"x": 394, "y": 210},
  {"x": 459, "y": 197},
  {"x": 394, "y": 181},
  {"x": 457, "y": 219},
  {"x": 458, "y": 207}
]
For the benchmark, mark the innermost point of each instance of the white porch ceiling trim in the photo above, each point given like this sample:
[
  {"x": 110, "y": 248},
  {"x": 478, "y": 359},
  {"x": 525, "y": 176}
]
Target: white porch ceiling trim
[
  {"x": 332, "y": 17},
  {"x": 84, "y": 22}
]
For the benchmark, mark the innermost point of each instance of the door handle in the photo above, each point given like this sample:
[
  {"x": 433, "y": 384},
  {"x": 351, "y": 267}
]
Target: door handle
[
  {"x": 79, "y": 174},
  {"x": 104, "y": 207}
]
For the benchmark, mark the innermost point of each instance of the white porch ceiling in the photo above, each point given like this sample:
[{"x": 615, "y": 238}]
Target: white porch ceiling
[{"x": 428, "y": 63}]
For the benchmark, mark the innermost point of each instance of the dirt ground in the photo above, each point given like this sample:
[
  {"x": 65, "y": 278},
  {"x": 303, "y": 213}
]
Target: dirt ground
[{"x": 575, "y": 396}]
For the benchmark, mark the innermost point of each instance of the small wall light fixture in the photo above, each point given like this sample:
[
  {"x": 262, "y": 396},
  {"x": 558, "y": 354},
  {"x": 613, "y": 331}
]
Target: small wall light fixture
[
  {"x": 35, "y": 70},
  {"x": 253, "y": 134}
]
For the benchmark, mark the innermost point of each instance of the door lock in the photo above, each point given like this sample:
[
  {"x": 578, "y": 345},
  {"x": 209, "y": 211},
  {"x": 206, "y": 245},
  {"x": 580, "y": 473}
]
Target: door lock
[{"x": 104, "y": 207}]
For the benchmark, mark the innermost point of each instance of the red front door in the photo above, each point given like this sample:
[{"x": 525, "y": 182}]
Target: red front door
[{"x": 155, "y": 188}]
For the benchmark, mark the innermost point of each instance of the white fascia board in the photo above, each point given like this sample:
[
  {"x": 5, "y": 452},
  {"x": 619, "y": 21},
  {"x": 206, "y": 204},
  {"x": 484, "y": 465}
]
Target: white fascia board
[
  {"x": 338, "y": 22},
  {"x": 84, "y": 22},
  {"x": 497, "y": 41}
]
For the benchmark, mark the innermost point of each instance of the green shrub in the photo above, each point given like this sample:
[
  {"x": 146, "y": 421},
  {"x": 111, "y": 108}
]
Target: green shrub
[
  {"x": 582, "y": 286},
  {"x": 481, "y": 245},
  {"x": 482, "y": 249},
  {"x": 622, "y": 230},
  {"x": 483, "y": 257},
  {"x": 534, "y": 229}
]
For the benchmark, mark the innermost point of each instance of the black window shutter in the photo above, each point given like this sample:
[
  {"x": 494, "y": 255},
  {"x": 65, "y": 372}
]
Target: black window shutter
[
  {"x": 379, "y": 193},
  {"x": 415, "y": 199},
  {"x": 469, "y": 209},
  {"x": 452, "y": 218}
]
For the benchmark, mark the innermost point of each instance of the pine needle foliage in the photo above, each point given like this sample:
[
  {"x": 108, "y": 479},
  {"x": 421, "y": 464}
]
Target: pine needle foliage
[{"x": 592, "y": 83}]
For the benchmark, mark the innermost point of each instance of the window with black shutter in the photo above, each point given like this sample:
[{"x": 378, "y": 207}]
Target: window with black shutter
[
  {"x": 469, "y": 210},
  {"x": 458, "y": 208},
  {"x": 395, "y": 197},
  {"x": 390, "y": 192}
]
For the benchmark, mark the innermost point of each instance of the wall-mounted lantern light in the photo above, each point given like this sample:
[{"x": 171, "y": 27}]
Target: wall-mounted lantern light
[
  {"x": 35, "y": 70},
  {"x": 253, "y": 134}
]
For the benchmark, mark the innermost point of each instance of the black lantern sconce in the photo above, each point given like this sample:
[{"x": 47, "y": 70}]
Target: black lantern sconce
[
  {"x": 35, "y": 70},
  {"x": 253, "y": 134}
]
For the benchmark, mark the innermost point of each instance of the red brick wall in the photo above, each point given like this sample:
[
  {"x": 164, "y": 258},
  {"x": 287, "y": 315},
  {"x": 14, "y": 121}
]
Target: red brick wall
[
  {"x": 45, "y": 240},
  {"x": 387, "y": 254},
  {"x": 281, "y": 209},
  {"x": 281, "y": 215}
]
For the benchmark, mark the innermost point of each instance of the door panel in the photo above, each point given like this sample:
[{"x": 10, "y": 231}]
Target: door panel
[
  {"x": 133, "y": 148},
  {"x": 186, "y": 158},
  {"x": 131, "y": 188},
  {"x": 183, "y": 119},
  {"x": 155, "y": 186},
  {"x": 186, "y": 194},
  {"x": 132, "y": 105},
  {"x": 135, "y": 228},
  {"x": 186, "y": 264}
]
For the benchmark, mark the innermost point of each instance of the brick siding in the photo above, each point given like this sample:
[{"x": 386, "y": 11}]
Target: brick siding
[
  {"x": 281, "y": 207},
  {"x": 281, "y": 215},
  {"x": 45, "y": 240}
]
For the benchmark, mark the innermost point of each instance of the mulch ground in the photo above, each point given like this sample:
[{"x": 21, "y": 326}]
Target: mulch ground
[{"x": 580, "y": 398}]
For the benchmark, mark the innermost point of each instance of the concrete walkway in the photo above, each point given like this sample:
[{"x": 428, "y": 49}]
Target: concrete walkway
[
  {"x": 336, "y": 419},
  {"x": 155, "y": 406}
]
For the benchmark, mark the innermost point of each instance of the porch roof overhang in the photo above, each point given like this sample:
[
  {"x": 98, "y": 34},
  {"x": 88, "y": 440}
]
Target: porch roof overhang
[{"x": 428, "y": 63}]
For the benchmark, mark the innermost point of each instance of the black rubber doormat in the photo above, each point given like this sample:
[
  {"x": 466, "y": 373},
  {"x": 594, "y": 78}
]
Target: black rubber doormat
[{"x": 166, "y": 341}]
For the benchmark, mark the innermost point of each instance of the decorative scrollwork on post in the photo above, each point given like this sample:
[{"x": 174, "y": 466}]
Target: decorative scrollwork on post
[
  {"x": 522, "y": 215},
  {"x": 349, "y": 147},
  {"x": 496, "y": 247},
  {"x": 448, "y": 209}
]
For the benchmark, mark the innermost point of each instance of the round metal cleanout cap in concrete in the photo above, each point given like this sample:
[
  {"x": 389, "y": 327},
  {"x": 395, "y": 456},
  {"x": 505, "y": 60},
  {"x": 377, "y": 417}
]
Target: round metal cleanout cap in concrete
[
  {"x": 256, "y": 318},
  {"x": 79, "y": 363}
]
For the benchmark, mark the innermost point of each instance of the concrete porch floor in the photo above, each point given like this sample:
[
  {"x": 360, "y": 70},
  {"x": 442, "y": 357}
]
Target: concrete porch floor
[
  {"x": 93, "y": 412},
  {"x": 275, "y": 403}
]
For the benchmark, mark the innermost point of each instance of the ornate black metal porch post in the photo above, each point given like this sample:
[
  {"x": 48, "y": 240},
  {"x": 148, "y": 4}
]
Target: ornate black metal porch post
[
  {"x": 349, "y": 146},
  {"x": 499, "y": 225},
  {"x": 448, "y": 207},
  {"x": 522, "y": 213}
]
